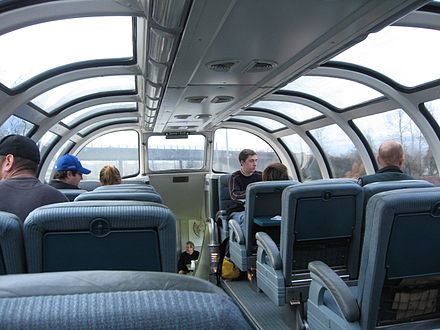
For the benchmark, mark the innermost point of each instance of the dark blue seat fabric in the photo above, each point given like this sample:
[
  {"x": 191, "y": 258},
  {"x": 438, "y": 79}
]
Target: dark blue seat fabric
[
  {"x": 399, "y": 279},
  {"x": 12, "y": 258},
  {"x": 225, "y": 202},
  {"x": 109, "y": 235},
  {"x": 321, "y": 220},
  {"x": 71, "y": 194},
  {"x": 89, "y": 185},
  {"x": 114, "y": 300},
  {"x": 263, "y": 202},
  {"x": 130, "y": 186},
  {"x": 121, "y": 194}
]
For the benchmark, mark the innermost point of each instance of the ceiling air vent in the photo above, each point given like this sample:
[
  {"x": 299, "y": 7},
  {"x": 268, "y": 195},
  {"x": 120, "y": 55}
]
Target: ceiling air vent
[
  {"x": 203, "y": 116},
  {"x": 222, "y": 66},
  {"x": 260, "y": 66},
  {"x": 222, "y": 99},
  {"x": 182, "y": 116},
  {"x": 195, "y": 99}
]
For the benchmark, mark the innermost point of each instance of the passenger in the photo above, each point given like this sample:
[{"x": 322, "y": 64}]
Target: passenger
[
  {"x": 240, "y": 179},
  {"x": 69, "y": 172},
  {"x": 186, "y": 257},
  {"x": 20, "y": 190},
  {"x": 390, "y": 158},
  {"x": 275, "y": 172},
  {"x": 109, "y": 175}
]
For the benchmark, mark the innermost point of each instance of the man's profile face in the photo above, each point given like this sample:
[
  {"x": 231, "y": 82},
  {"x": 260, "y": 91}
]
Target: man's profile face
[{"x": 250, "y": 164}]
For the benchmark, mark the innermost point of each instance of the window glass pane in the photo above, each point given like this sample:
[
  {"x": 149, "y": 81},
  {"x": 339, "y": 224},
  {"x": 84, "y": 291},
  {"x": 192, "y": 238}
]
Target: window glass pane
[
  {"x": 297, "y": 112},
  {"x": 15, "y": 125},
  {"x": 176, "y": 154},
  {"x": 396, "y": 125},
  {"x": 434, "y": 109},
  {"x": 268, "y": 124},
  {"x": 303, "y": 156},
  {"x": 56, "y": 97},
  {"x": 229, "y": 142},
  {"x": 35, "y": 49},
  {"x": 76, "y": 117},
  {"x": 106, "y": 122},
  {"x": 46, "y": 142},
  {"x": 405, "y": 54},
  {"x": 341, "y": 93},
  {"x": 341, "y": 153},
  {"x": 120, "y": 149}
]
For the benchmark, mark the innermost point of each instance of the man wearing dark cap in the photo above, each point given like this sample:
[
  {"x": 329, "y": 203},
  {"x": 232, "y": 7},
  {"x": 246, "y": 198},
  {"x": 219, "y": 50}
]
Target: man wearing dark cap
[
  {"x": 20, "y": 190},
  {"x": 68, "y": 173}
]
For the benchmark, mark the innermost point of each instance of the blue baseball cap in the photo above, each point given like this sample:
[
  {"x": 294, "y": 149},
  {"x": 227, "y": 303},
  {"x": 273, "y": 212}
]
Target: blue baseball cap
[{"x": 70, "y": 163}]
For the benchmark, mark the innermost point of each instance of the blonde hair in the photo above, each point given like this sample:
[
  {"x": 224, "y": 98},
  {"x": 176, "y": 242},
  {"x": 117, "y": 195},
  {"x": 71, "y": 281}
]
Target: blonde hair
[{"x": 109, "y": 175}]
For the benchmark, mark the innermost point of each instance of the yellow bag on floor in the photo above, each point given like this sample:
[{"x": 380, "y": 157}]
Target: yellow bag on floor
[{"x": 229, "y": 270}]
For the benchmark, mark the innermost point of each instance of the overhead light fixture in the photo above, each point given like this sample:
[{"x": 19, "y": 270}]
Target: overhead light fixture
[
  {"x": 152, "y": 90},
  {"x": 168, "y": 13},
  {"x": 151, "y": 103},
  {"x": 161, "y": 45}
]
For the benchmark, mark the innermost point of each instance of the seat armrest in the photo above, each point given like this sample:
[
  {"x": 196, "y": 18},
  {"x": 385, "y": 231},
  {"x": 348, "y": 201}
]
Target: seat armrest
[
  {"x": 338, "y": 289},
  {"x": 236, "y": 234},
  {"x": 268, "y": 245}
]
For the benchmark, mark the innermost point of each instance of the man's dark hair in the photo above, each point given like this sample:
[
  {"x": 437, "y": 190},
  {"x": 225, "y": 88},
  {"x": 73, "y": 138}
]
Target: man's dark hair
[
  {"x": 244, "y": 154},
  {"x": 23, "y": 164},
  {"x": 60, "y": 175}
]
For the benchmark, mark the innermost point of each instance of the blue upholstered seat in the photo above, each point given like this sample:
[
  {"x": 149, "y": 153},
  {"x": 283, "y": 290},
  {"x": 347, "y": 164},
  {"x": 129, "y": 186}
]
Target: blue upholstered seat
[
  {"x": 321, "y": 220},
  {"x": 121, "y": 194},
  {"x": 71, "y": 194},
  {"x": 114, "y": 300},
  {"x": 89, "y": 185},
  {"x": 131, "y": 186},
  {"x": 89, "y": 235},
  {"x": 263, "y": 202},
  {"x": 399, "y": 279},
  {"x": 225, "y": 202},
  {"x": 12, "y": 258}
]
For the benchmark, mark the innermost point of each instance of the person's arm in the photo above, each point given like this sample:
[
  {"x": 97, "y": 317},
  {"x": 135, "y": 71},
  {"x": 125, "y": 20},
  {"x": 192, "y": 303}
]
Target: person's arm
[
  {"x": 236, "y": 188},
  {"x": 181, "y": 264}
]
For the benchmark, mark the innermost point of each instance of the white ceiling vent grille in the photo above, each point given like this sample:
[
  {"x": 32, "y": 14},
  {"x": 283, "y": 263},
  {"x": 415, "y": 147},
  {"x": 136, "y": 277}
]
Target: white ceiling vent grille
[
  {"x": 222, "y": 66},
  {"x": 260, "y": 66},
  {"x": 222, "y": 99},
  {"x": 195, "y": 99}
]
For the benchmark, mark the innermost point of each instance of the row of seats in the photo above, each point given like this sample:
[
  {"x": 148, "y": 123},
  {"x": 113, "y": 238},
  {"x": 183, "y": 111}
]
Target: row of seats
[
  {"x": 90, "y": 235},
  {"x": 321, "y": 220}
]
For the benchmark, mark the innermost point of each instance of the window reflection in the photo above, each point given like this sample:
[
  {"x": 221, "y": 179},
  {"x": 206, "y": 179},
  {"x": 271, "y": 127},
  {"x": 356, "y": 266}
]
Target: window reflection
[
  {"x": 15, "y": 125},
  {"x": 228, "y": 143},
  {"x": 397, "y": 125},
  {"x": 120, "y": 149},
  {"x": 344, "y": 159},
  {"x": 341, "y": 93},
  {"x": 397, "y": 47},
  {"x": 296, "y": 111},
  {"x": 304, "y": 157},
  {"x": 58, "y": 96}
]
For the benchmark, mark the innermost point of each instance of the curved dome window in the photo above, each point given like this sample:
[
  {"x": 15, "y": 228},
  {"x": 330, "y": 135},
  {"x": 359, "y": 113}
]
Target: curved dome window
[
  {"x": 106, "y": 122},
  {"x": 341, "y": 93},
  {"x": 35, "y": 49},
  {"x": 407, "y": 55},
  {"x": 295, "y": 111},
  {"x": 341, "y": 153},
  {"x": 434, "y": 109},
  {"x": 397, "y": 125},
  {"x": 60, "y": 95},
  {"x": 268, "y": 124},
  {"x": 304, "y": 157},
  {"x": 99, "y": 109},
  {"x": 15, "y": 125}
]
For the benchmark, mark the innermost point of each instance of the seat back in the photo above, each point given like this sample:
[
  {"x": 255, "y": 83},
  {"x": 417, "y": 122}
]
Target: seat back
[
  {"x": 121, "y": 194},
  {"x": 214, "y": 201},
  {"x": 400, "y": 270},
  {"x": 12, "y": 259},
  {"x": 130, "y": 186},
  {"x": 89, "y": 185},
  {"x": 115, "y": 300},
  {"x": 263, "y": 202},
  {"x": 321, "y": 221},
  {"x": 89, "y": 235},
  {"x": 71, "y": 194},
  {"x": 225, "y": 200}
]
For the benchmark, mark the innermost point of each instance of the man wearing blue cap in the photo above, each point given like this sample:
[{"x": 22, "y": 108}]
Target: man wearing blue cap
[
  {"x": 20, "y": 190},
  {"x": 68, "y": 173}
]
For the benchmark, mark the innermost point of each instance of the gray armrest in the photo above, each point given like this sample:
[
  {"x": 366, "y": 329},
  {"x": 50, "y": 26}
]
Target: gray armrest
[
  {"x": 236, "y": 231},
  {"x": 264, "y": 241},
  {"x": 339, "y": 290}
]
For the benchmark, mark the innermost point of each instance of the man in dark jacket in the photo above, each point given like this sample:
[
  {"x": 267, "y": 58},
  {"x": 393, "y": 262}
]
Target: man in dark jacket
[
  {"x": 390, "y": 158},
  {"x": 68, "y": 173}
]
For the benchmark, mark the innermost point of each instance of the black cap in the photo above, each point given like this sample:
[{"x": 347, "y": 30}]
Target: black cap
[{"x": 20, "y": 146}]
